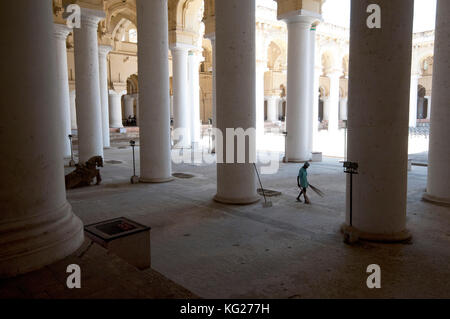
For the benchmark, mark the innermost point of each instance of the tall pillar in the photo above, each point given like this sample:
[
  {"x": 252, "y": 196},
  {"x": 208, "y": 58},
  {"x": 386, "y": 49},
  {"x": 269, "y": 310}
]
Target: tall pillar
[
  {"x": 194, "y": 95},
  {"x": 380, "y": 71},
  {"x": 298, "y": 97},
  {"x": 181, "y": 114},
  {"x": 129, "y": 106},
  {"x": 236, "y": 183},
  {"x": 37, "y": 225},
  {"x": 89, "y": 106},
  {"x": 438, "y": 188},
  {"x": 73, "y": 110},
  {"x": 62, "y": 89},
  {"x": 115, "y": 110},
  {"x": 262, "y": 44},
  {"x": 212, "y": 38},
  {"x": 343, "y": 109},
  {"x": 154, "y": 112},
  {"x": 272, "y": 108},
  {"x": 333, "y": 107},
  {"x": 315, "y": 104},
  {"x": 103, "y": 51},
  {"x": 313, "y": 89},
  {"x": 413, "y": 100}
]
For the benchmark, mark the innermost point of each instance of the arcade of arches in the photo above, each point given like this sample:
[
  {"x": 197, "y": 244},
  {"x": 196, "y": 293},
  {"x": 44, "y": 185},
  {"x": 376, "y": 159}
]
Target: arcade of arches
[{"x": 139, "y": 69}]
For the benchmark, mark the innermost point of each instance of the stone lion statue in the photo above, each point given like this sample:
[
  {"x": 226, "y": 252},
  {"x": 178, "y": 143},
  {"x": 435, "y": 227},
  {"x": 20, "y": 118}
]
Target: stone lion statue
[{"x": 84, "y": 174}]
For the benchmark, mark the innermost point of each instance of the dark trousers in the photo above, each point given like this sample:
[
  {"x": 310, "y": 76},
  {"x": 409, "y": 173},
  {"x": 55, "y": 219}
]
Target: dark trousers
[{"x": 303, "y": 191}]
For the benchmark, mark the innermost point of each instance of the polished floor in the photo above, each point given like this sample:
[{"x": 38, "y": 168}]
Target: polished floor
[{"x": 287, "y": 251}]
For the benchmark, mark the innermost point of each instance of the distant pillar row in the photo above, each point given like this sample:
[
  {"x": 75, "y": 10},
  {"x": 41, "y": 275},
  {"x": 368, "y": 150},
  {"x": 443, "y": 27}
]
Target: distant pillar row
[
  {"x": 154, "y": 104},
  {"x": 438, "y": 188},
  {"x": 377, "y": 132},
  {"x": 37, "y": 225},
  {"x": 62, "y": 89},
  {"x": 236, "y": 105},
  {"x": 103, "y": 51},
  {"x": 89, "y": 104}
]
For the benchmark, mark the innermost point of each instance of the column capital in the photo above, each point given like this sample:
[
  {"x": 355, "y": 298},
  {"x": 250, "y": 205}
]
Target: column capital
[
  {"x": 91, "y": 18},
  {"x": 177, "y": 47},
  {"x": 103, "y": 50},
  {"x": 61, "y": 31},
  {"x": 304, "y": 17},
  {"x": 115, "y": 93}
]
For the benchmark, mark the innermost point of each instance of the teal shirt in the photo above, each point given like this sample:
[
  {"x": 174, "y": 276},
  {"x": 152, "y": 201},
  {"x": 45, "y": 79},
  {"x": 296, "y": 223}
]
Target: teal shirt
[{"x": 303, "y": 174}]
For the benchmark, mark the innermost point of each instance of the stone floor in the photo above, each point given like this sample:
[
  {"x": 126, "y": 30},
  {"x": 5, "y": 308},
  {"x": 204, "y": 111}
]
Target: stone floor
[
  {"x": 103, "y": 276},
  {"x": 287, "y": 251}
]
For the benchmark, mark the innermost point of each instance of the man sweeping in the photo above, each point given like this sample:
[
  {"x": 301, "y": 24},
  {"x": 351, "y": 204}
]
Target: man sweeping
[{"x": 302, "y": 182}]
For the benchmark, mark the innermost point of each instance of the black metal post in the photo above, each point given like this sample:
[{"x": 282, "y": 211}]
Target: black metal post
[{"x": 351, "y": 200}]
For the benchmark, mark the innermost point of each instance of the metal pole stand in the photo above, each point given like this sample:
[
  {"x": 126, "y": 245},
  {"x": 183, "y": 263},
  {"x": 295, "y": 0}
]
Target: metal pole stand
[
  {"x": 72, "y": 161},
  {"x": 134, "y": 178},
  {"x": 285, "y": 158},
  {"x": 350, "y": 234}
]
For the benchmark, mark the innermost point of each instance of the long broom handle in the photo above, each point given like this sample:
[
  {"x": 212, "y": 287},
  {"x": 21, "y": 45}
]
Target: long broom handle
[{"x": 262, "y": 188}]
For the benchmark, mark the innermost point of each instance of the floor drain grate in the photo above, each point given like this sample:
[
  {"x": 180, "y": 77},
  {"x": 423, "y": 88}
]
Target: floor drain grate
[
  {"x": 183, "y": 175},
  {"x": 268, "y": 192}
]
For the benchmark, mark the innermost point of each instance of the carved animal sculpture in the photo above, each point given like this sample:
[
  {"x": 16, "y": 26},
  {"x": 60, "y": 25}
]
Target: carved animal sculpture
[{"x": 84, "y": 174}]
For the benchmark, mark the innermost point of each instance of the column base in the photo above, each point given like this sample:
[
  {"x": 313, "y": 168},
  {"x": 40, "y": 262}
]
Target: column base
[
  {"x": 295, "y": 160},
  {"x": 436, "y": 200},
  {"x": 116, "y": 126},
  {"x": 156, "y": 180},
  {"x": 28, "y": 245},
  {"x": 354, "y": 234},
  {"x": 237, "y": 201}
]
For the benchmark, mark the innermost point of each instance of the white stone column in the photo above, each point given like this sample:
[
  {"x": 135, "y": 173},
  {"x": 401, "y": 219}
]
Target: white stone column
[
  {"x": 313, "y": 89},
  {"x": 154, "y": 111},
  {"x": 236, "y": 183},
  {"x": 181, "y": 107},
  {"x": 115, "y": 109},
  {"x": 333, "y": 106},
  {"x": 262, "y": 43},
  {"x": 315, "y": 103},
  {"x": 194, "y": 95},
  {"x": 103, "y": 51},
  {"x": 298, "y": 97},
  {"x": 37, "y": 225},
  {"x": 73, "y": 110},
  {"x": 429, "y": 107},
  {"x": 272, "y": 108},
  {"x": 129, "y": 106},
  {"x": 380, "y": 70},
  {"x": 438, "y": 188},
  {"x": 212, "y": 38},
  {"x": 343, "y": 109},
  {"x": 89, "y": 106},
  {"x": 413, "y": 100},
  {"x": 261, "y": 68},
  {"x": 62, "y": 89}
]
